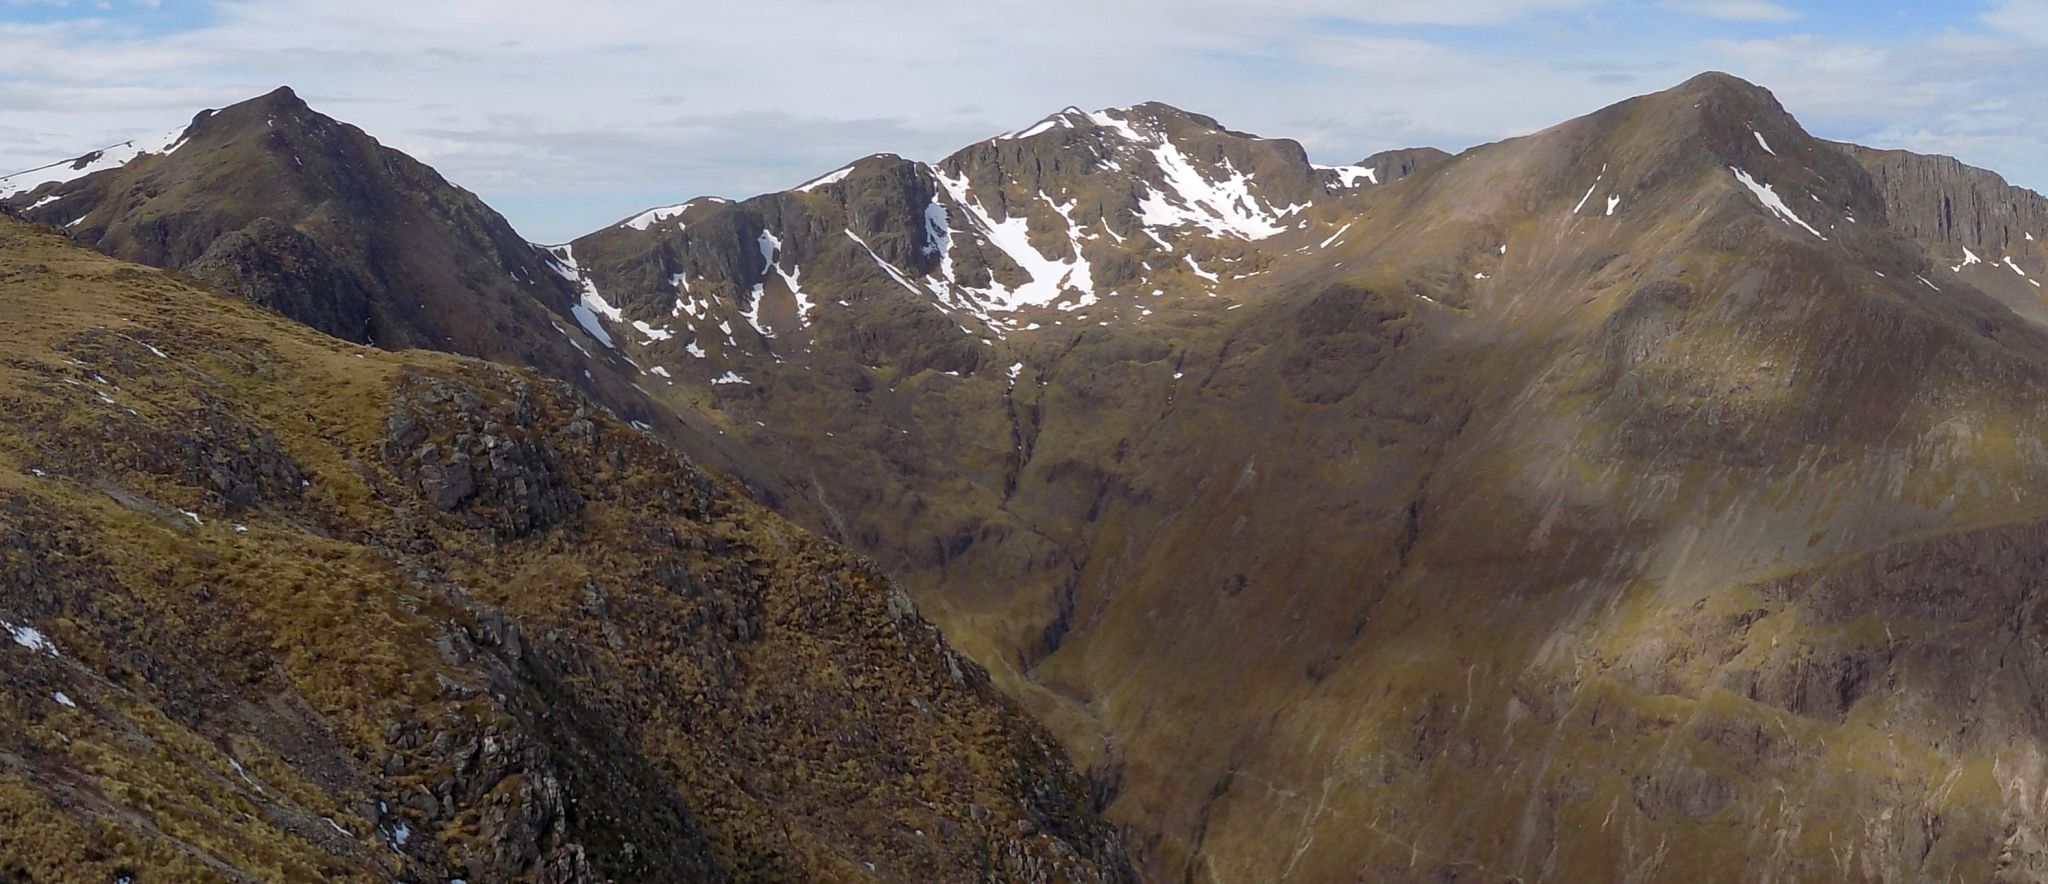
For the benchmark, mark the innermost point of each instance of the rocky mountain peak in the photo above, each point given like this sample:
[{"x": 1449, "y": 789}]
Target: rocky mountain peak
[
  {"x": 1724, "y": 84},
  {"x": 276, "y": 202},
  {"x": 1138, "y": 122},
  {"x": 279, "y": 107},
  {"x": 1082, "y": 207}
]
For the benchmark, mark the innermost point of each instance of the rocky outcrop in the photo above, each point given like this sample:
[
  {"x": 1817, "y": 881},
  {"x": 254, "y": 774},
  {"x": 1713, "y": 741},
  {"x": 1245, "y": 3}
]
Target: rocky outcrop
[
  {"x": 275, "y": 266},
  {"x": 1394, "y": 165},
  {"x": 209, "y": 441},
  {"x": 491, "y": 463},
  {"x": 1940, "y": 200},
  {"x": 446, "y": 620}
]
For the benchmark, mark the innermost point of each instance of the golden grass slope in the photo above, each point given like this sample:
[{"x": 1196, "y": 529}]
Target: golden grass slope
[{"x": 305, "y": 610}]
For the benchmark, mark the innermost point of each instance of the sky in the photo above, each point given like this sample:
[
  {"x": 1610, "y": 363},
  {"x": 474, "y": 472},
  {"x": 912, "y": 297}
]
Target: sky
[{"x": 567, "y": 116}]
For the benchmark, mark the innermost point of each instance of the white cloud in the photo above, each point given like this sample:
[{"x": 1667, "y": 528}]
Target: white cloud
[
  {"x": 573, "y": 115},
  {"x": 1734, "y": 10},
  {"x": 2024, "y": 18},
  {"x": 663, "y": 100},
  {"x": 1968, "y": 96}
]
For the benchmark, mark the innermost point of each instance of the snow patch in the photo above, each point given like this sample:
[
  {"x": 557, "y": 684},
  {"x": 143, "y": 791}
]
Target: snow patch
[
  {"x": 98, "y": 161},
  {"x": 1056, "y": 121},
  {"x": 29, "y": 637},
  {"x": 1047, "y": 277},
  {"x": 1349, "y": 176},
  {"x": 833, "y": 177},
  {"x": 1104, "y": 119},
  {"x": 1772, "y": 201},
  {"x": 1589, "y": 190},
  {"x": 589, "y": 303},
  {"x": 938, "y": 229},
  {"x": 652, "y": 217},
  {"x": 888, "y": 268},
  {"x": 244, "y": 774},
  {"x": 1223, "y": 207}
]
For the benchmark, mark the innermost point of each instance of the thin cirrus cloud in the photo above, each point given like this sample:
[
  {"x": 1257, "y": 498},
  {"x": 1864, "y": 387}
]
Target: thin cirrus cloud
[{"x": 570, "y": 116}]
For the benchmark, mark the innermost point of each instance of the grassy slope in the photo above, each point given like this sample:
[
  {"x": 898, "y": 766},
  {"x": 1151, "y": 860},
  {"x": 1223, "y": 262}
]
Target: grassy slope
[{"x": 599, "y": 663}]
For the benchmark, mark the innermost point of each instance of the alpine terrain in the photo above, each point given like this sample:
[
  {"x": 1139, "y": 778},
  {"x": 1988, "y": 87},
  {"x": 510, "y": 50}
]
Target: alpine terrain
[
  {"x": 445, "y": 620},
  {"x": 1658, "y": 496}
]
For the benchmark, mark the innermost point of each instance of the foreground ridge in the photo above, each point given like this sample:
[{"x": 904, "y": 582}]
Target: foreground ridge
[{"x": 446, "y": 620}]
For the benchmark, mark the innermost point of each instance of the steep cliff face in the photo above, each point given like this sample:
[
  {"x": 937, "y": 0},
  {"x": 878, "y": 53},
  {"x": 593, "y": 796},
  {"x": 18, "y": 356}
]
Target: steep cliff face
[
  {"x": 1394, "y": 165},
  {"x": 445, "y": 620},
  {"x": 1937, "y": 199},
  {"x": 1974, "y": 224}
]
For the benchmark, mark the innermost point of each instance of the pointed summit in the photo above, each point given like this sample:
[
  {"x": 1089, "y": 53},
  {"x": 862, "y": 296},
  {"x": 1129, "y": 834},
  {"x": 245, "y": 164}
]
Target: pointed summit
[
  {"x": 279, "y": 100},
  {"x": 1719, "y": 81},
  {"x": 275, "y": 202},
  {"x": 282, "y": 100},
  {"x": 1728, "y": 99}
]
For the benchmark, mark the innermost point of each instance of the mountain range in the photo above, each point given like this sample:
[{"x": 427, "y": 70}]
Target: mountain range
[{"x": 1659, "y": 495}]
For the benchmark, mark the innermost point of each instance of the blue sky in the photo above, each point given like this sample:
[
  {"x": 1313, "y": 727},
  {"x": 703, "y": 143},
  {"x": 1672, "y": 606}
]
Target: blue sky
[{"x": 567, "y": 116}]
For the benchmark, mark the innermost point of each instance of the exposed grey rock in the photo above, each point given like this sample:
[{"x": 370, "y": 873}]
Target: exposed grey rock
[
  {"x": 493, "y": 463},
  {"x": 1938, "y": 199},
  {"x": 1394, "y": 165},
  {"x": 276, "y": 266}
]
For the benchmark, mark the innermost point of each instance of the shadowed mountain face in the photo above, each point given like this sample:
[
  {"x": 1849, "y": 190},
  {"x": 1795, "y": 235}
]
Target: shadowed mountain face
[
  {"x": 278, "y": 204},
  {"x": 445, "y": 620},
  {"x": 1658, "y": 495}
]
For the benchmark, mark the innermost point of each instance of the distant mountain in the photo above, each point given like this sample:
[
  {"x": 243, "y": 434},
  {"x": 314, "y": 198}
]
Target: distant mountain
[
  {"x": 1570, "y": 508},
  {"x": 278, "y": 607},
  {"x": 276, "y": 203},
  {"x": 1077, "y": 209}
]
